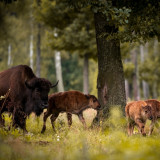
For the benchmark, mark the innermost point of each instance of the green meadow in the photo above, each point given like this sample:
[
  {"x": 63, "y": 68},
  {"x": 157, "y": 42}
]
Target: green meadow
[{"x": 107, "y": 142}]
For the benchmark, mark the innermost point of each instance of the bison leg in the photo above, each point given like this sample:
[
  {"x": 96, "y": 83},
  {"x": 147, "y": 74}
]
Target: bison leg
[
  {"x": 141, "y": 126},
  {"x": 53, "y": 118},
  {"x": 2, "y": 121},
  {"x": 151, "y": 127},
  {"x": 19, "y": 119},
  {"x": 81, "y": 118},
  {"x": 130, "y": 128},
  {"x": 2, "y": 118},
  {"x": 69, "y": 117},
  {"x": 46, "y": 115}
]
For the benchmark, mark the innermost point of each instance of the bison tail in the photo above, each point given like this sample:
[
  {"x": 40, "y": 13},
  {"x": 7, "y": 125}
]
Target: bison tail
[{"x": 127, "y": 110}]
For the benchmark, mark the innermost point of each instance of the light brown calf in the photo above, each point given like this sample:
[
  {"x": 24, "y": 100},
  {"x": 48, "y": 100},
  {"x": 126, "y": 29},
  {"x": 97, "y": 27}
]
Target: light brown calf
[
  {"x": 137, "y": 113},
  {"x": 72, "y": 102},
  {"x": 155, "y": 105}
]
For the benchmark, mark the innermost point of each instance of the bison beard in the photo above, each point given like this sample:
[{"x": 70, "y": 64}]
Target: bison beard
[{"x": 27, "y": 94}]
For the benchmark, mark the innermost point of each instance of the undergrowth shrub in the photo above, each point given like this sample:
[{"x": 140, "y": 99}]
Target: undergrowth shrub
[{"x": 109, "y": 141}]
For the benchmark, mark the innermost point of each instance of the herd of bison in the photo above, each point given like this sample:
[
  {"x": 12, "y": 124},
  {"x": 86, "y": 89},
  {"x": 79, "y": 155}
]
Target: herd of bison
[{"x": 22, "y": 93}]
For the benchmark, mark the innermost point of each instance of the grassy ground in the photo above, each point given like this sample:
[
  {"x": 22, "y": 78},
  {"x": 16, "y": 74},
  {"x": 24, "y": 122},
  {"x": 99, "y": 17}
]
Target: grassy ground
[{"x": 109, "y": 142}]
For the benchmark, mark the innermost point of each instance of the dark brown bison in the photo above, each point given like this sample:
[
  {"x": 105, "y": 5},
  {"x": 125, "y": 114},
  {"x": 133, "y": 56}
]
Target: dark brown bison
[
  {"x": 72, "y": 102},
  {"x": 24, "y": 93},
  {"x": 137, "y": 113},
  {"x": 155, "y": 105}
]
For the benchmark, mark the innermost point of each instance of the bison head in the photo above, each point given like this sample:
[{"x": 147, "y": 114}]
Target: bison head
[
  {"x": 93, "y": 102},
  {"x": 147, "y": 112},
  {"x": 39, "y": 88}
]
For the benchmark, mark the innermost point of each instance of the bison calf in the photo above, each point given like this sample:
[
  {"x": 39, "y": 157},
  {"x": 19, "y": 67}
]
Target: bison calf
[
  {"x": 137, "y": 113},
  {"x": 72, "y": 102},
  {"x": 155, "y": 106}
]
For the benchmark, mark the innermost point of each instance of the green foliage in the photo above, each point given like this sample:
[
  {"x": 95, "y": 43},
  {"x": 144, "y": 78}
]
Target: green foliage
[
  {"x": 93, "y": 73},
  {"x": 128, "y": 70},
  {"x": 139, "y": 18},
  {"x": 71, "y": 30},
  {"x": 72, "y": 72},
  {"x": 78, "y": 143},
  {"x": 149, "y": 69}
]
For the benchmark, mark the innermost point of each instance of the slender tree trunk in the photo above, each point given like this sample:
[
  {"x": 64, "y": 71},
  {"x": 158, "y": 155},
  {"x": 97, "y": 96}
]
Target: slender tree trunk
[
  {"x": 85, "y": 75},
  {"x": 9, "y": 56},
  {"x": 127, "y": 89},
  {"x": 136, "y": 90},
  {"x": 155, "y": 94},
  {"x": 59, "y": 71},
  {"x": 110, "y": 82},
  {"x": 38, "y": 64},
  {"x": 145, "y": 86},
  {"x": 31, "y": 52}
]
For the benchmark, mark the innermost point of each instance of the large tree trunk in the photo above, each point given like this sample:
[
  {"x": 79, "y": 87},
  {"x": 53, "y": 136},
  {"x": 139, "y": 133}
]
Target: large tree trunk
[
  {"x": 85, "y": 75},
  {"x": 59, "y": 71},
  {"x": 38, "y": 64},
  {"x": 110, "y": 82}
]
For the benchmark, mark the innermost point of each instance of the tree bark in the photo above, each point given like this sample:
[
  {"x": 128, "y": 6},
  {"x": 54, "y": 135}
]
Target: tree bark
[
  {"x": 85, "y": 75},
  {"x": 110, "y": 82},
  {"x": 59, "y": 71},
  {"x": 38, "y": 64}
]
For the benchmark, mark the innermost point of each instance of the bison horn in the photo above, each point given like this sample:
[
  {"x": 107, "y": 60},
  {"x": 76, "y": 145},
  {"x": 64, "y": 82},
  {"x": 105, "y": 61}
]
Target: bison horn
[{"x": 54, "y": 84}]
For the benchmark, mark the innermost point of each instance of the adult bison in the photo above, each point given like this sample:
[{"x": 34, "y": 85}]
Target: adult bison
[
  {"x": 24, "y": 93},
  {"x": 71, "y": 102}
]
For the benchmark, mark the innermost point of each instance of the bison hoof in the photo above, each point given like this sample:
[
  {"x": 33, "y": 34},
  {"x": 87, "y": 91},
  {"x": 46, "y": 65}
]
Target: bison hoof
[
  {"x": 144, "y": 134},
  {"x": 43, "y": 130},
  {"x": 25, "y": 131}
]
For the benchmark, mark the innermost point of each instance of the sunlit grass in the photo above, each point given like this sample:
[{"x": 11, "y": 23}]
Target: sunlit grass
[{"x": 110, "y": 141}]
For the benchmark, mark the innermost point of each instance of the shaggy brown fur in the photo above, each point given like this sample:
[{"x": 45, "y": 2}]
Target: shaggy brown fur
[
  {"x": 72, "y": 102},
  {"x": 27, "y": 93},
  {"x": 137, "y": 113},
  {"x": 155, "y": 105}
]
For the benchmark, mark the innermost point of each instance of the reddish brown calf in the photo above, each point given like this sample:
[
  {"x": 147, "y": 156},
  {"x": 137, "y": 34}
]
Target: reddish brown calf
[
  {"x": 137, "y": 113},
  {"x": 72, "y": 102},
  {"x": 155, "y": 105}
]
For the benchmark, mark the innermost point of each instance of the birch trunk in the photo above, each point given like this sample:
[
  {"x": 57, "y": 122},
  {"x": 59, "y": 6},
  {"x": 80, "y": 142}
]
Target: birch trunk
[
  {"x": 59, "y": 71},
  {"x": 9, "y": 62},
  {"x": 127, "y": 89}
]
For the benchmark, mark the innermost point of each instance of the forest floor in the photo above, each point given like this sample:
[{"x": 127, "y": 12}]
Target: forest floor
[{"x": 109, "y": 142}]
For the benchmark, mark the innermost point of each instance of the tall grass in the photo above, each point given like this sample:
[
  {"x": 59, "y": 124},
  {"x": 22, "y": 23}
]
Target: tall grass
[{"x": 109, "y": 141}]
